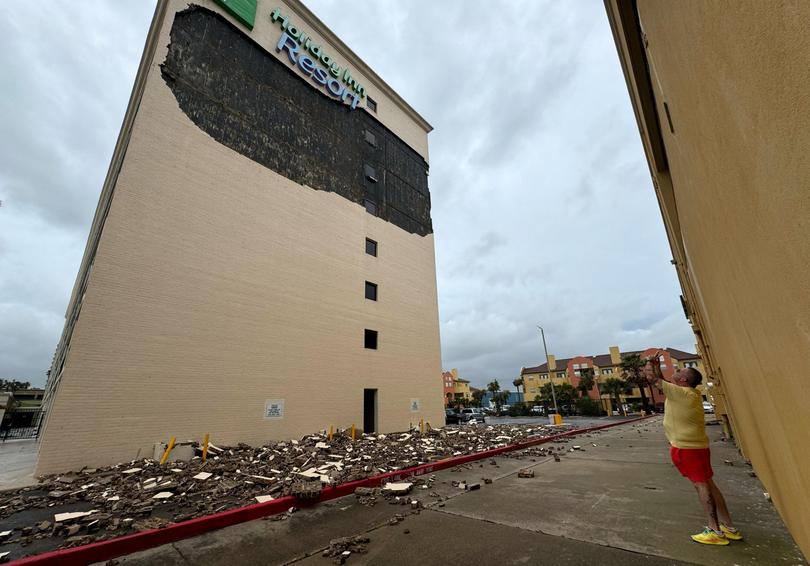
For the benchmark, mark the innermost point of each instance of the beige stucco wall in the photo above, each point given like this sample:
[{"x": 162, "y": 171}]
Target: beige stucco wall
[
  {"x": 734, "y": 76},
  {"x": 219, "y": 284}
]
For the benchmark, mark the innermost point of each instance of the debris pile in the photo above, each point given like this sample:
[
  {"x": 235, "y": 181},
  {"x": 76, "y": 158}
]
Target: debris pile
[
  {"x": 97, "y": 504},
  {"x": 341, "y": 548}
]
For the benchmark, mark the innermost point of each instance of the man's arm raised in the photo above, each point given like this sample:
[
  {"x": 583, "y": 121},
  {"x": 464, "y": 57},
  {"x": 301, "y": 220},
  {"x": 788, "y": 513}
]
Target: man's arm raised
[{"x": 653, "y": 369}]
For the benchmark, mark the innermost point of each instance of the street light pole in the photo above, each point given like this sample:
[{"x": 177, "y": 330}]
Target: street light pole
[{"x": 548, "y": 367}]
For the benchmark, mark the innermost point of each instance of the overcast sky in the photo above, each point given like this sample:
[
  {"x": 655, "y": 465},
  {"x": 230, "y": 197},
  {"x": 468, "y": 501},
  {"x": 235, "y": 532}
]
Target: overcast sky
[{"x": 543, "y": 208}]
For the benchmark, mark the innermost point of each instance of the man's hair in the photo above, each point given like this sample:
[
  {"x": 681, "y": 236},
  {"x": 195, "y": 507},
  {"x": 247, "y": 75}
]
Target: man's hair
[{"x": 695, "y": 377}]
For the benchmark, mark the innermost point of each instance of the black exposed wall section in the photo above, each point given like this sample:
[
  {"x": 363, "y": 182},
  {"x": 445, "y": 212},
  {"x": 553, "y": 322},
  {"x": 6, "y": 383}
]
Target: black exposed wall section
[{"x": 251, "y": 102}]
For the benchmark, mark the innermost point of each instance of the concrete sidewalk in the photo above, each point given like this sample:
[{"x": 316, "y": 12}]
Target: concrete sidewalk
[
  {"x": 17, "y": 461},
  {"x": 620, "y": 502}
]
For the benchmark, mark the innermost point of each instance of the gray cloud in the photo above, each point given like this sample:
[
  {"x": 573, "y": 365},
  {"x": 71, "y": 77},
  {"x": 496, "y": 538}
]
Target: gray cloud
[{"x": 542, "y": 202}]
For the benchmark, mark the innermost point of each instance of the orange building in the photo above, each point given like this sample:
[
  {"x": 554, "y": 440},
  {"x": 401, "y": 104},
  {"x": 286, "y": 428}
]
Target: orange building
[{"x": 455, "y": 388}]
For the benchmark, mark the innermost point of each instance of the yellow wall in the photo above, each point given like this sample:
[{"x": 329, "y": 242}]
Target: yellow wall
[
  {"x": 462, "y": 388},
  {"x": 535, "y": 381},
  {"x": 732, "y": 176}
]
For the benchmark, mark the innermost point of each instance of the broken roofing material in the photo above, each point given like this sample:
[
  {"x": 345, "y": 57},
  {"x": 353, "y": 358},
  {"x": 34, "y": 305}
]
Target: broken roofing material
[{"x": 142, "y": 494}]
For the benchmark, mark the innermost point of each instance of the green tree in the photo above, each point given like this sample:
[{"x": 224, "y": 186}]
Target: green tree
[
  {"x": 615, "y": 387},
  {"x": 518, "y": 382},
  {"x": 477, "y": 395},
  {"x": 586, "y": 381},
  {"x": 501, "y": 398},
  {"x": 565, "y": 392},
  {"x": 494, "y": 387},
  {"x": 545, "y": 396},
  {"x": 13, "y": 385},
  {"x": 588, "y": 407},
  {"x": 632, "y": 373}
]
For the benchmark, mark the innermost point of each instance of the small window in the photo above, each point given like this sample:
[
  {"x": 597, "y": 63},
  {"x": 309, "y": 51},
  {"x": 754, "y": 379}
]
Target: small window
[
  {"x": 371, "y": 103},
  {"x": 371, "y": 339},
  {"x": 371, "y": 291},
  {"x": 370, "y": 173},
  {"x": 371, "y": 247},
  {"x": 371, "y": 206},
  {"x": 371, "y": 139}
]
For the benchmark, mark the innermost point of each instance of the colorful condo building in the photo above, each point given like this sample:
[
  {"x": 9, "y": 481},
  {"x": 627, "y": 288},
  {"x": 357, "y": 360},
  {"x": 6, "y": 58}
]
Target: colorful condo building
[
  {"x": 604, "y": 367},
  {"x": 264, "y": 232},
  {"x": 455, "y": 388}
]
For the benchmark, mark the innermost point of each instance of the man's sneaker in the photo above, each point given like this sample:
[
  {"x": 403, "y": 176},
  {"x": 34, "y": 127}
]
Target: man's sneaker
[
  {"x": 731, "y": 534},
  {"x": 708, "y": 536}
]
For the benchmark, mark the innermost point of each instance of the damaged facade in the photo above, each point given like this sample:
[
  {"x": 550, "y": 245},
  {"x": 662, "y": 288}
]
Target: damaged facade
[{"x": 257, "y": 240}]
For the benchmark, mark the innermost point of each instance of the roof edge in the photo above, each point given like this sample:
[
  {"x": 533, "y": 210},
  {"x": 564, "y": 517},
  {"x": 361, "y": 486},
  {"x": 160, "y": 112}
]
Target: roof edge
[{"x": 311, "y": 19}]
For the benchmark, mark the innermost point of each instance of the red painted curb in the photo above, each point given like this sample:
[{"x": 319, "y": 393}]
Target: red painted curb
[{"x": 107, "y": 549}]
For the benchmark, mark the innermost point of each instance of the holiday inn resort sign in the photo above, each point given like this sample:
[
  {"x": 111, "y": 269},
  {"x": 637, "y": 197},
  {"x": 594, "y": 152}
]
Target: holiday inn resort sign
[{"x": 310, "y": 58}]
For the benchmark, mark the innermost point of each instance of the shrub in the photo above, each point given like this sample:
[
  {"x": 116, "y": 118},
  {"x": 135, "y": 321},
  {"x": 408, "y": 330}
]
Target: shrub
[
  {"x": 588, "y": 407},
  {"x": 515, "y": 410}
]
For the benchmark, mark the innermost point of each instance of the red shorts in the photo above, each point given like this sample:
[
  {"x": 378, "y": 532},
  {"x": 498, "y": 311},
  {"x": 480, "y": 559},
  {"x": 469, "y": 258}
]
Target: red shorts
[{"x": 693, "y": 463}]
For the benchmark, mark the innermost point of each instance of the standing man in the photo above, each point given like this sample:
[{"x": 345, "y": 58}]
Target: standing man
[{"x": 685, "y": 427}]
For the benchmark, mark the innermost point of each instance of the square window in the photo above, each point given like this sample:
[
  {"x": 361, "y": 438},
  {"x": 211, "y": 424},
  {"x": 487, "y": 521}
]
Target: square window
[
  {"x": 371, "y": 103},
  {"x": 371, "y": 139},
  {"x": 371, "y": 206},
  {"x": 371, "y": 339},
  {"x": 371, "y": 291},
  {"x": 371, "y": 247},
  {"x": 370, "y": 173}
]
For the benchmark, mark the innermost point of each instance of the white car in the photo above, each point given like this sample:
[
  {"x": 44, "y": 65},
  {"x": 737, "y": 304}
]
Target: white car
[
  {"x": 472, "y": 415},
  {"x": 538, "y": 410},
  {"x": 707, "y": 407}
]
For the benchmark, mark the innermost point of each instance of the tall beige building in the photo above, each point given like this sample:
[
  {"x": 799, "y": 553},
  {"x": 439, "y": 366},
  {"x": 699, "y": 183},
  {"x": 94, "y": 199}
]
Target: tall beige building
[
  {"x": 720, "y": 93},
  {"x": 261, "y": 261}
]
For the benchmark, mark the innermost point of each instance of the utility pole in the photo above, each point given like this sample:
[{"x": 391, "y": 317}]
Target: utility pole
[{"x": 548, "y": 367}]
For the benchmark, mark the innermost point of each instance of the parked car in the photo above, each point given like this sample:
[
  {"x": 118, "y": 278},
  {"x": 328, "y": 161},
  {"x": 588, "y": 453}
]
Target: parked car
[
  {"x": 538, "y": 410},
  {"x": 707, "y": 407},
  {"x": 472, "y": 415},
  {"x": 451, "y": 416}
]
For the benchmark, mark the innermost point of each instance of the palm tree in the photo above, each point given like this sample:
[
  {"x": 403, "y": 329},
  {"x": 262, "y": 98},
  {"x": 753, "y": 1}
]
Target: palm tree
[
  {"x": 586, "y": 381},
  {"x": 518, "y": 382},
  {"x": 494, "y": 387},
  {"x": 632, "y": 373},
  {"x": 615, "y": 387},
  {"x": 501, "y": 399}
]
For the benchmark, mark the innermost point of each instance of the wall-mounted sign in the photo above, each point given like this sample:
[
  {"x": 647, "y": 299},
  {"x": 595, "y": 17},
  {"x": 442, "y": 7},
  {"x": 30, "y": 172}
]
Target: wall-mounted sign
[
  {"x": 306, "y": 54},
  {"x": 311, "y": 58},
  {"x": 242, "y": 10},
  {"x": 274, "y": 409}
]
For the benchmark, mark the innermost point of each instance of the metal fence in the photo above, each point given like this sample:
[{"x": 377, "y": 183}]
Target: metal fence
[{"x": 21, "y": 423}]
